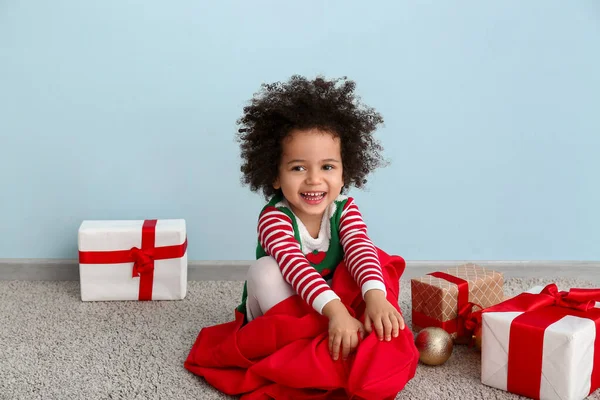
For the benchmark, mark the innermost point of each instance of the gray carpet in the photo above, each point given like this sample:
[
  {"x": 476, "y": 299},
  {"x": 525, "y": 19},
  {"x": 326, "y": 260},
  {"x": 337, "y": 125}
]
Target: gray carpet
[{"x": 53, "y": 346}]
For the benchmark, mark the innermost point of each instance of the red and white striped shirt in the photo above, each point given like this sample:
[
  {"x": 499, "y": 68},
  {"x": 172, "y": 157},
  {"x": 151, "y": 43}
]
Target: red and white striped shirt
[{"x": 276, "y": 236}]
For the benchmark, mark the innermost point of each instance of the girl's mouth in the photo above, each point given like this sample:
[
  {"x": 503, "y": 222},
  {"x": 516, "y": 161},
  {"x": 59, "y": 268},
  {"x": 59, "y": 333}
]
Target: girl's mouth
[{"x": 313, "y": 198}]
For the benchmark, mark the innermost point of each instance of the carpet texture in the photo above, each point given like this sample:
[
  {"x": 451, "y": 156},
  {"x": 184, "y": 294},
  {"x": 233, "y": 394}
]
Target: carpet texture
[{"x": 53, "y": 346}]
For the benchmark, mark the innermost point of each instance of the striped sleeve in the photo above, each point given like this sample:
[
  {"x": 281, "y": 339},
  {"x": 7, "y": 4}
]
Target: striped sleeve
[
  {"x": 360, "y": 253},
  {"x": 276, "y": 236}
]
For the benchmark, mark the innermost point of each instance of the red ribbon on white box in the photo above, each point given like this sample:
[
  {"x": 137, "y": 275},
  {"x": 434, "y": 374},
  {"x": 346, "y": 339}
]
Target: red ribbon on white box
[
  {"x": 142, "y": 259},
  {"x": 526, "y": 342}
]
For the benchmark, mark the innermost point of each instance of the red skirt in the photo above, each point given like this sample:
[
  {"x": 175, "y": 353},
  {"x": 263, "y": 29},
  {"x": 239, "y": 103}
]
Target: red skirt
[{"x": 284, "y": 353}]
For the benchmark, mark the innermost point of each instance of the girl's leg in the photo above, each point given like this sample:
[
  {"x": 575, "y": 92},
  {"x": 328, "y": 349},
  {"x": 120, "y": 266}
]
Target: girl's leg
[{"x": 266, "y": 287}]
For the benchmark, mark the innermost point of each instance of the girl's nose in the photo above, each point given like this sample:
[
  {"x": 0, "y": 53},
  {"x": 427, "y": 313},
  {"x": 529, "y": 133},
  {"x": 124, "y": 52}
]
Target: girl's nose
[{"x": 313, "y": 177}]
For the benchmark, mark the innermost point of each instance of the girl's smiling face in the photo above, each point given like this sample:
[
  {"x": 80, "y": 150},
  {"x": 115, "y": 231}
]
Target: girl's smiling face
[{"x": 310, "y": 172}]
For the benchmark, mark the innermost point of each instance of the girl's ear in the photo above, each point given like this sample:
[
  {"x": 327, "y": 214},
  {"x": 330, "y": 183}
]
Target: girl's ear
[{"x": 276, "y": 184}]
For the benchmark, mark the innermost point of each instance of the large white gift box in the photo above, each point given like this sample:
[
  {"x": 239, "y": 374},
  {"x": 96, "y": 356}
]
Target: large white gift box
[
  {"x": 133, "y": 260},
  {"x": 543, "y": 344}
]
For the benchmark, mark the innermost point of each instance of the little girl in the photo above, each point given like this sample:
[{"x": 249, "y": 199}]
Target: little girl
[{"x": 304, "y": 143}]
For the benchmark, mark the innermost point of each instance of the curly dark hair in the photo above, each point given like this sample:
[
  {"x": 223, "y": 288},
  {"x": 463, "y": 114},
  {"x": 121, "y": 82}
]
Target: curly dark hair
[{"x": 300, "y": 103}]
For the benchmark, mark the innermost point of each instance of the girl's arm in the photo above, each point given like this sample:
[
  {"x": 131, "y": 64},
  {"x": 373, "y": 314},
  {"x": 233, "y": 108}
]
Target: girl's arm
[
  {"x": 360, "y": 253},
  {"x": 276, "y": 236},
  {"x": 363, "y": 263}
]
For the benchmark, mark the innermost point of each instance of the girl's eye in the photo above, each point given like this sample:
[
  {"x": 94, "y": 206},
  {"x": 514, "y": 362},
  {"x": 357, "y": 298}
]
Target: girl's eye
[
  {"x": 328, "y": 167},
  {"x": 298, "y": 168}
]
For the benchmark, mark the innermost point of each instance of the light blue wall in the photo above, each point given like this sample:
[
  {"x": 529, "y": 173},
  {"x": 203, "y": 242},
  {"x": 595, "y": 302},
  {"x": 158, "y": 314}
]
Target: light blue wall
[{"x": 126, "y": 109}]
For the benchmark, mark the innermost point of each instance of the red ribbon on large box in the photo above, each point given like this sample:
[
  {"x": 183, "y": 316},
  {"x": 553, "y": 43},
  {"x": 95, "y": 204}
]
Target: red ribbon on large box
[
  {"x": 459, "y": 324},
  {"x": 143, "y": 259},
  {"x": 526, "y": 341}
]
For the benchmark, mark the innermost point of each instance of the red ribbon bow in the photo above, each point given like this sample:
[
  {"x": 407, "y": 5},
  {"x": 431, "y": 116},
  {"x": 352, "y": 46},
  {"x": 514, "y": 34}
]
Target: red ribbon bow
[
  {"x": 466, "y": 316},
  {"x": 575, "y": 298},
  {"x": 143, "y": 262}
]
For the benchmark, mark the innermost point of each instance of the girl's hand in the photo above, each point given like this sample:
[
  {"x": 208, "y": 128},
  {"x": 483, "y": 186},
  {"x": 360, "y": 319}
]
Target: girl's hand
[
  {"x": 382, "y": 315},
  {"x": 343, "y": 330}
]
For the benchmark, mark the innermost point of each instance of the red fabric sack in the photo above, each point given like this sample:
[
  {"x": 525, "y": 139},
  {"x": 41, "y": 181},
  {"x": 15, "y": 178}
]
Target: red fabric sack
[{"x": 284, "y": 353}]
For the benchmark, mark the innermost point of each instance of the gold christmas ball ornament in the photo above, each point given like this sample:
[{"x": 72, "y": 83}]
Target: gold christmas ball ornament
[{"x": 435, "y": 346}]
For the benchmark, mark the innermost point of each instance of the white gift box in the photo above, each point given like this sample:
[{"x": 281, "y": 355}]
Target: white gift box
[
  {"x": 567, "y": 358},
  {"x": 133, "y": 260}
]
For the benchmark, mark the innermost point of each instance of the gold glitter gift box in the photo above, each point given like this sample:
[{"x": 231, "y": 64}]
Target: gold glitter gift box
[{"x": 445, "y": 299}]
